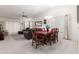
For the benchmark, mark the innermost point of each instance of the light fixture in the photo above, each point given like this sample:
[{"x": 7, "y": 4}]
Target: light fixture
[
  {"x": 23, "y": 19},
  {"x": 23, "y": 15},
  {"x": 48, "y": 17}
]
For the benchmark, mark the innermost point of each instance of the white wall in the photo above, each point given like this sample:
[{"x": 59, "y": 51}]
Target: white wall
[
  {"x": 26, "y": 22},
  {"x": 11, "y": 25},
  {"x": 65, "y": 10},
  {"x": 14, "y": 25},
  {"x": 78, "y": 19},
  {"x": 78, "y": 30}
]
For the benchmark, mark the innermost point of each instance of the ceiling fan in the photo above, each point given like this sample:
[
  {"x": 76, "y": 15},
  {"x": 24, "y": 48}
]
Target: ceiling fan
[{"x": 23, "y": 15}]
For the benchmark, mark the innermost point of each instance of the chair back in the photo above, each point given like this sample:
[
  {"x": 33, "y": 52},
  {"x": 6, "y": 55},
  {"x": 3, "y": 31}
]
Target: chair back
[{"x": 39, "y": 29}]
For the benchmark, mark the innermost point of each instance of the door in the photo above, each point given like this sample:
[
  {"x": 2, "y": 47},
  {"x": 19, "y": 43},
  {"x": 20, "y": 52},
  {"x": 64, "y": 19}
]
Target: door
[{"x": 12, "y": 27}]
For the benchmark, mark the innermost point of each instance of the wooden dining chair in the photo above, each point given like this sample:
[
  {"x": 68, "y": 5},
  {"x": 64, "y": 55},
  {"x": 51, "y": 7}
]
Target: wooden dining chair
[
  {"x": 56, "y": 34},
  {"x": 39, "y": 29},
  {"x": 36, "y": 41},
  {"x": 34, "y": 37},
  {"x": 52, "y": 36},
  {"x": 49, "y": 39}
]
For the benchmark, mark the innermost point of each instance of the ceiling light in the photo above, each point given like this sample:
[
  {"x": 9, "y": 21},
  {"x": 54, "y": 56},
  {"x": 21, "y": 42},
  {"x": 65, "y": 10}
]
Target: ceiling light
[{"x": 48, "y": 17}]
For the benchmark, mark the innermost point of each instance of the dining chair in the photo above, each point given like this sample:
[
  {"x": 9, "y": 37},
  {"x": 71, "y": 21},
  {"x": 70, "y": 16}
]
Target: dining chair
[
  {"x": 49, "y": 39},
  {"x": 56, "y": 34},
  {"x": 36, "y": 41},
  {"x": 34, "y": 37},
  {"x": 39, "y": 29},
  {"x": 52, "y": 36}
]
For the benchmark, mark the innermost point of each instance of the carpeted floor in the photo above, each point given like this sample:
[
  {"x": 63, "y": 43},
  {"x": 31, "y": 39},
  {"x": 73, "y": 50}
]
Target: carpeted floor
[{"x": 17, "y": 44}]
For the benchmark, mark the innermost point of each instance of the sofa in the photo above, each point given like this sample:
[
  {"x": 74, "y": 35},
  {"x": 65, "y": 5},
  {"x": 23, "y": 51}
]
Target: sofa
[
  {"x": 28, "y": 33},
  {"x": 1, "y": 36}
]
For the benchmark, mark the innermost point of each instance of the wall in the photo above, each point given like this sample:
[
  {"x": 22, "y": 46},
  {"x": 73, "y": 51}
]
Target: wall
[
  {"x": 65, "y": 10},
  {"x": 78, "y": 20},
  {"x": 11, "y": 25},
  {"x": 3, "y": 25},
  {"x": 78, "y": 31},
  {"x": 27, "y": 22},
  {"x": 15, "y": 25},
  {"x": 77, "y": 14}
]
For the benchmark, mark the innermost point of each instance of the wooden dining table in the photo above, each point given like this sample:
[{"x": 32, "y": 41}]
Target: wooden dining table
[
  {"x": 42, "y": 32},
  {"x": 43, "y": 35}
]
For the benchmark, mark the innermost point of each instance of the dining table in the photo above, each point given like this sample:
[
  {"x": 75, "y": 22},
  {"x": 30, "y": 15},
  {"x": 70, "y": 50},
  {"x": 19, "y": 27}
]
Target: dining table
[
  {"x": 42, "y": 32},
  {"x": 45, "y": 35}
]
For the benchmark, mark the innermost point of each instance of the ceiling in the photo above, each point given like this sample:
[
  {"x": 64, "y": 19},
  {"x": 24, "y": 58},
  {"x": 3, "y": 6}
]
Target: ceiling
[{"x": 15, "y": 11}]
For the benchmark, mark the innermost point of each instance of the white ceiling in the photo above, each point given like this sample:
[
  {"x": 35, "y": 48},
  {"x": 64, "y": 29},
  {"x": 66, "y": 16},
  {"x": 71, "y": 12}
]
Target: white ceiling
[{"x": 15, "y": 11}]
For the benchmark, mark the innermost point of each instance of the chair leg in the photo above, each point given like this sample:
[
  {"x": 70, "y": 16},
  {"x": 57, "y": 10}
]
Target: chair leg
[
  {"x": 57, "y": 38},
  {"x": 36, "y": 46},
  {"x": 54, "y": 40},
  {"x": 50, "y": 43},
  {"x": 32, "y": 43},
  {"x": 42, "y": 43},
  {"x": 37, "y": 42}
]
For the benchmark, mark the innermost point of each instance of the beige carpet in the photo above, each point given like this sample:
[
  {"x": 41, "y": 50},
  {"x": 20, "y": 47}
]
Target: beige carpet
[{"x": 17, "y": 44}]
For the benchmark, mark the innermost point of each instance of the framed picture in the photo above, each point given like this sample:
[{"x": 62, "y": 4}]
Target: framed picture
[{"x": 38, "y": 23}]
